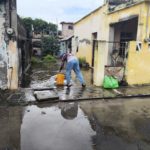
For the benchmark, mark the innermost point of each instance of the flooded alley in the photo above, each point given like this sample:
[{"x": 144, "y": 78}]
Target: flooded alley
[
  {"x": 97, "y": 125},
  {"x": 105, "y": 124},
  {"x": 75, "y": 75}
]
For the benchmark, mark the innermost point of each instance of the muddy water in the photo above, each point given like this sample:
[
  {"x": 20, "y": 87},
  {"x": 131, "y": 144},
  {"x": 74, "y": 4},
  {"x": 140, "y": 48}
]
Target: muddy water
[
  {"x": 122, "y": 124},
  {"x": 41, "y": 74},
  {"x": 53, "y": 128}
]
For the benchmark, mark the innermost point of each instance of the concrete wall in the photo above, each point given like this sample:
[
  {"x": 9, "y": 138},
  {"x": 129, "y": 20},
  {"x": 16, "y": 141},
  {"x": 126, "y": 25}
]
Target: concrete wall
[
  {"x": 84, "y": 30},
  {"x": 138, "y": 71},
  {"x": 100, "y": 59},
  {"x": 99, "y": 21},
  {"x": 137, "y": 62},
  {"x": 139, "y": 10},
  {"x": 11, "y": 46},
  {"x": 66, "y": 32},
  {"x": 3, "y": 48}
]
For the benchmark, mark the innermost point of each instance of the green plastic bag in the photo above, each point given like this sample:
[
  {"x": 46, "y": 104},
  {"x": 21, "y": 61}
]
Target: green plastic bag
[{"x": 110, "y": 82}]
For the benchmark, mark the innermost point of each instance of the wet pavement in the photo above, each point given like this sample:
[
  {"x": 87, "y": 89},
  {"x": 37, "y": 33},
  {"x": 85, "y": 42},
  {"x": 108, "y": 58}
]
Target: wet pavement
[
  {"x": 106, "y": 124},
  {"x": 40, "y": 79},
  {"x": 97, "y": 125}
]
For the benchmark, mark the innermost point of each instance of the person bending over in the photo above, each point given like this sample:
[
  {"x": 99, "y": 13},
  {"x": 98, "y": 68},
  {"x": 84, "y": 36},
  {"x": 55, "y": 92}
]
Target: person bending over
[{"x": 72, "y": 63}]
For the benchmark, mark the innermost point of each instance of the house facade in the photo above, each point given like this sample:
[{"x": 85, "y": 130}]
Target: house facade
[
  {"x": 14, "y": 46},
  {"x": 67, "y": 35},
  {"x": 115, "y": 40}
]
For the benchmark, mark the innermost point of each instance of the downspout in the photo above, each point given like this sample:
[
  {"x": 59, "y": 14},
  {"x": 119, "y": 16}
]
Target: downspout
[{"x": 10, "y": 9}]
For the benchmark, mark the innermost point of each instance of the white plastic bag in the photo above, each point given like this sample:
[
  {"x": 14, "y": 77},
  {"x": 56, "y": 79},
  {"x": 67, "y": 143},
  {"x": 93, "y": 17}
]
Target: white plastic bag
[{"x": 52, "y": 80}]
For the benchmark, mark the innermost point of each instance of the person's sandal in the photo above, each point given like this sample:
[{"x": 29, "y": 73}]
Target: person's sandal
[
  {"x": 69, "y": 85},
  {"x": 83, "y": 85}
]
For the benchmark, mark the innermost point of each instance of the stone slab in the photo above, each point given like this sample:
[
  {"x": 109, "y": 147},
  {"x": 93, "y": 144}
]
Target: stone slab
[{"x": 45, "y": 95}]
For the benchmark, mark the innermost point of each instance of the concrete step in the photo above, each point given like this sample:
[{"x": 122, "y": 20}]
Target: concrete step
[{"x": 46, "y": 95}]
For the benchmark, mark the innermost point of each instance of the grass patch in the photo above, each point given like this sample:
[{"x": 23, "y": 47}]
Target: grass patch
[
  {"x": 35, "y": 60},
  {"x": 83, "y": 63},
  {"x": 49, "y": 58},
  {"x": 82, "y": 60},
  {"x": 46, "y": 59}
]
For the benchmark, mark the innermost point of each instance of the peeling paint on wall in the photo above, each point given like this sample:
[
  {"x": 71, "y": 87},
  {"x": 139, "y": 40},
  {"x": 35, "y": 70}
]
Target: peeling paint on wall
[
  {"x": 10, "y": 60},
  {"x": 86, "y": 41},
  {"x": 2, "y": 8},
  {"x": 3, "y": 50},
  {"x": 13, "y": 65}
]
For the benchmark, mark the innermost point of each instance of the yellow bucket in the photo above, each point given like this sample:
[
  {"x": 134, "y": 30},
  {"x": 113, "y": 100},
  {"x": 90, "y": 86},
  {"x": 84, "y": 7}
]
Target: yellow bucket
[{"x": 60, "y": 79}]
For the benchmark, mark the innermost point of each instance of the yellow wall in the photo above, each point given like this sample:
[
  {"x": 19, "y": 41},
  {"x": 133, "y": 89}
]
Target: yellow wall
[
  {"x": 139, "y": 10},
  {"x": 85, "y": 50},
  {"x": 99, "y": 21},
  {"x": 84, "y": 29},
  {"x": 138, "y": 70},
  {"x": 100, "y": 56}
]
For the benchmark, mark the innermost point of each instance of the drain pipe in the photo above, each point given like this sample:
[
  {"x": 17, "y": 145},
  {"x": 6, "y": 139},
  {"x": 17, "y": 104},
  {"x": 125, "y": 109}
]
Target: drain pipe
[{"x": 10, "y": 13}]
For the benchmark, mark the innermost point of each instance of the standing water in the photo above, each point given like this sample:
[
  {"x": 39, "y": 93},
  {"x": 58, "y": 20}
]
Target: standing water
[{"x": 122, "y": 124}]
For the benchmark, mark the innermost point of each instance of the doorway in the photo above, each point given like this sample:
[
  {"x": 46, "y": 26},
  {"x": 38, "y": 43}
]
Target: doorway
[{"x": 123, "y": 32}]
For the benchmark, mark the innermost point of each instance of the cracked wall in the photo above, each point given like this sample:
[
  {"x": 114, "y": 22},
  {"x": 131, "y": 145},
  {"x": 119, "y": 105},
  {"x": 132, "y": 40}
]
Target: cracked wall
[
  {"x": 14, "y": 47},
  {"x": 3, "y": 48},
  {"x": 19, "y": 51}
]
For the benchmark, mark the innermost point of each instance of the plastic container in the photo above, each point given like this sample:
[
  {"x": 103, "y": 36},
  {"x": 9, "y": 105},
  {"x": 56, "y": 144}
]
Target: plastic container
[{"x": 60, "y": 77}]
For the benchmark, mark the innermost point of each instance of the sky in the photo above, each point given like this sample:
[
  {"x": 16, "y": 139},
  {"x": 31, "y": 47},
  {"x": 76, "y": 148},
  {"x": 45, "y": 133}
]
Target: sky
[{"x": 56, "y": 11}]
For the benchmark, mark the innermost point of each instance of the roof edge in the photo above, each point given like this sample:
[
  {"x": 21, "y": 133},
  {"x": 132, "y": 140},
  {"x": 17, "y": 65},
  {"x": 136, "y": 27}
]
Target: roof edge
[{"x": 89, "y": 14}]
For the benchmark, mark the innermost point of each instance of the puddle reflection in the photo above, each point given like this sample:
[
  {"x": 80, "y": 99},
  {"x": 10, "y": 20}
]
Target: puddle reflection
[
  {"x": 123, "y": 125},
  {"x": 60, "y": 128},
  {"x": 97, "y": 125},
  {"x": 69, "y": 111}
]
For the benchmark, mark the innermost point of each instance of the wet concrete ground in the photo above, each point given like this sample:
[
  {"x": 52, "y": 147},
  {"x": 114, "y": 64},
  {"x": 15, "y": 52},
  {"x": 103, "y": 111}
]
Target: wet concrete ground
[
  {"x": 123, "y": 124},
  {"x": 106, "y": 124},
  {"x": 40, "y": 78},
  {"x": 41, "y": 75}
]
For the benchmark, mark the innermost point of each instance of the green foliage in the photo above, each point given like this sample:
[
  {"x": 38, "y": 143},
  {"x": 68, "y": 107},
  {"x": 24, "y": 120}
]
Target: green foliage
[
  {"x": 35, "y": 60},
  {"x": 46, "y": 59},
  {"x": 52, "y": 29},
  {"x": 40, "y": 26},
  {"x": 83, "y": 63},
  {"x": 50, "y": 45},
  {"x": 49, "y": 58},
  {"x": 82, "y": 60},
  {"x": 27, "y": 24}
]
